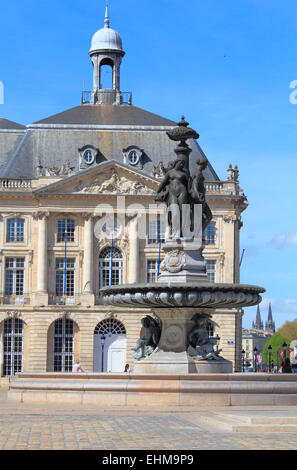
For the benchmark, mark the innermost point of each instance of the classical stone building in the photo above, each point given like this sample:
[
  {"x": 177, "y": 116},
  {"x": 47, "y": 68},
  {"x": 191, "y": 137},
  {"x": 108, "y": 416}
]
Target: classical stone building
[{"x": 59, "y": 179}]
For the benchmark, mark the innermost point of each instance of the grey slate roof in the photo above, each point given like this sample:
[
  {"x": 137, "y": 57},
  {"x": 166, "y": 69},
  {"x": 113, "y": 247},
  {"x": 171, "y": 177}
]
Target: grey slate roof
[
  {"x": 110, "y": 115},
  {"x": 10, "y": 125},
  {"x": 11, "y": 134},
  {"x": 56, "y": 140}
]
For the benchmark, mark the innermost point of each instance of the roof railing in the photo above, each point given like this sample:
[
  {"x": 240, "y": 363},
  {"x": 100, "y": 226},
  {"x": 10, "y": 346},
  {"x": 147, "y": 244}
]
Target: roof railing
[
  {"x": 15, "y": 183},
  {"x": 126, "y": 96}
]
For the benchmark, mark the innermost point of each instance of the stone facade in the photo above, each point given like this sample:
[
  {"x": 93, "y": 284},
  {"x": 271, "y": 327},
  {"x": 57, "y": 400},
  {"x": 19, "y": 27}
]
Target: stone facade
[
  {"x": 69, "y": 171},
  {"x": 39, "y": 306}
]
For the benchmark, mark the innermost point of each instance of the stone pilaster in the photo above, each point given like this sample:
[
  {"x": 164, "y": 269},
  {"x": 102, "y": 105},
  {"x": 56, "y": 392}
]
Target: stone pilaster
[
  {"x": 41, "y": 295},
  {"x": 88, "y": 297}
]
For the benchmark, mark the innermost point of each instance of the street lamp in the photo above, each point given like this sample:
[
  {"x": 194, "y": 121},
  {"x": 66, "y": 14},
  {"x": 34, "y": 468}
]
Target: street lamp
[
  {"x": 255, "y": 359},
  {"x": 242, "y": 359},
  {"x": 285, "y": 350},
  {"x": 269, "y": 358},
  {"x": 102, "y": 351}
]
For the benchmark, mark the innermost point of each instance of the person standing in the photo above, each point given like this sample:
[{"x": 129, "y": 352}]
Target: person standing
[{"x": 285, "y": 367}]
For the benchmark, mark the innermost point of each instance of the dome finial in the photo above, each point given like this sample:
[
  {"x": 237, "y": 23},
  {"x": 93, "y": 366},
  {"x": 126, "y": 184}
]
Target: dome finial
[{"x": 106, "y": 21}]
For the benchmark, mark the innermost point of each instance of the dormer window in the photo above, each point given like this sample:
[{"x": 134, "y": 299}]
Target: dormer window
[
  {"x": 133, "y": 157},
  {"x": 89, "y": 156}
]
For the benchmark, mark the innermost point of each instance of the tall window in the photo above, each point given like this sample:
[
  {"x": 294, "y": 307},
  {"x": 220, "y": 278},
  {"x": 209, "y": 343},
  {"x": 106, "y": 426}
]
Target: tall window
[
  {"x": 12, "y": 346},
  {"x": 210, "y": 329},
  {"x": 65, "y": 276},
  {"x": 110, "y": 267},
  {"x": 156, "y": 231},
  {"x": 68, "y": 226},
  {"x": 209, "y": 235},
  {"x": 14, "y": 276},
  {"x": 152, "y": 270},
  {"x": 211, "y": 270},
  {"x": 63, "y": 345},
  {"x": 15, "y": 230}
]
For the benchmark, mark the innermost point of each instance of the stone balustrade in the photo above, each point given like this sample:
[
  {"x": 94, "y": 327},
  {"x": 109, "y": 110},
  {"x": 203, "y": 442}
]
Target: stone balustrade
[
  {"x": 9, "y": 183},
  {"x": 15, "y": 300},
  {"x": 223, "y": 187}
]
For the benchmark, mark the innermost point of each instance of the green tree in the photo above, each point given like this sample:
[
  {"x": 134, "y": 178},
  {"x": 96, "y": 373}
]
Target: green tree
[
  {"x": 289, "y": 330},
  {"x": 276, "y": 342}
]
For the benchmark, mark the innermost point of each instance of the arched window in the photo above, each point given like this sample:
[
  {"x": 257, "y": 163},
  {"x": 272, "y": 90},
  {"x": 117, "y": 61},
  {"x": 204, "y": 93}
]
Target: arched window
[
  {"x": 109, "y": 346},
  {"x": 63, "y": 345},
  {"x": 12, "y": 346},
  {"x": 110, "y": 326},
  {"x": 110, "y": 267}
]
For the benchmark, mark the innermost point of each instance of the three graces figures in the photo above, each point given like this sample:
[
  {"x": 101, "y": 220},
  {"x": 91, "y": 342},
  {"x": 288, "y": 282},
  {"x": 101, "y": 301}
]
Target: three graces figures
[{"x": 180, "y": 191}]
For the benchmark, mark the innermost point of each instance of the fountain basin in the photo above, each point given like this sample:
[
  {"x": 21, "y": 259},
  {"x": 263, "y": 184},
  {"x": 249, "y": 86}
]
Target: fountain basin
[
  {"x": 174, "y": 305},
  {"x": 180, "y": 295}
]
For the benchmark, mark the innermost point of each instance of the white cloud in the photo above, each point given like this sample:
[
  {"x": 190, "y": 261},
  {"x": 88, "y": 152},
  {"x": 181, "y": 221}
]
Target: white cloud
[{"x": 280, "y": 241}]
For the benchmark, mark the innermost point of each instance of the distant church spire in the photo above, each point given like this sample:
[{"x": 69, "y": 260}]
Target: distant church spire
[
  {"x": 258, "y": 324},
  {"x": 270, "y": 324},
  {"x": 106, "y": 21}
]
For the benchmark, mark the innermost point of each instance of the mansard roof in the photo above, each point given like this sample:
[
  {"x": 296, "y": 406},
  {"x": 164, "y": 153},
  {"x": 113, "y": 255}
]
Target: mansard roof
[
  {"x": 108, "y": 115},
  {"x": 110, "y": 129},
  {"x": 5, "y": 124}
]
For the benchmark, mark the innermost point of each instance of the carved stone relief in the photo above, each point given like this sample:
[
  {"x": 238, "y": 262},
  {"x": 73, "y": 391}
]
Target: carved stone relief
[{"x": 112, "y": 183}]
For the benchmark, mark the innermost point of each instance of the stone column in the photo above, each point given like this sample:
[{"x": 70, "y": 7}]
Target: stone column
[
  {"x": 87, "y": 288},
  {"x": 41, "y": 296},
  {"x": 133, "y": 266}
]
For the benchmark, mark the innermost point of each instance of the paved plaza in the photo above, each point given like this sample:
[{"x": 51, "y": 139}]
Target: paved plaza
[{"x": 68, "y": 427}]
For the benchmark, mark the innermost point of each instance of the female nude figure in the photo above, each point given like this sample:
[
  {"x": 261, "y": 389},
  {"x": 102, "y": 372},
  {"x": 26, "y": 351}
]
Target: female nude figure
[{"x": 174, "y": 191}]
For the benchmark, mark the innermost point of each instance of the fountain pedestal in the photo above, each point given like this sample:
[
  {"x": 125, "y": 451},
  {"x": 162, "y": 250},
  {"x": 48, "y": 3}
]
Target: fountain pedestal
[
  {"x": 183, "y": 261},
  {"x": 171, "y": 355}
]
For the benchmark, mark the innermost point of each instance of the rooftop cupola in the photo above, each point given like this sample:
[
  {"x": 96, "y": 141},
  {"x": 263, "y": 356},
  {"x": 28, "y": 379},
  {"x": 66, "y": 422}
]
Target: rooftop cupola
[{"x": 106, "y": 54}]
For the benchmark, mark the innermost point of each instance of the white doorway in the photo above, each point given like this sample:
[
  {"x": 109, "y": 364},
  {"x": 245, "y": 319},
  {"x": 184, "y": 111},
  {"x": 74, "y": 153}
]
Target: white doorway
[{"x": 109, "y": 346}]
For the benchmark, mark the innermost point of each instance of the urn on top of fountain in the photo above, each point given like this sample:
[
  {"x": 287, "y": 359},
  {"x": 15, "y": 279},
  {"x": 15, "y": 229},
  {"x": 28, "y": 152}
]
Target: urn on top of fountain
[{"x": 181, "y": 133}]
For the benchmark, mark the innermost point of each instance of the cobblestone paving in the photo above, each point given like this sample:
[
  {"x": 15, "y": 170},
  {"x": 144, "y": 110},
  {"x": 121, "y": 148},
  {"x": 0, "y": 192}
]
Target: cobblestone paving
[{"x": 25, "y": 427}]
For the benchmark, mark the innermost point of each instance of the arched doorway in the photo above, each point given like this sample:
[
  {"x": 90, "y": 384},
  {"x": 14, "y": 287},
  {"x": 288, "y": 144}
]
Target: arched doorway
[
  {"x": 109, "y": 346},
  {"x": 13, "y": 330}
]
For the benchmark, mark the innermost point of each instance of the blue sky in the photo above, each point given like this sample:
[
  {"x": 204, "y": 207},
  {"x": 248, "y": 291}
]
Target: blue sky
[{"x": 227, "y": 66}]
